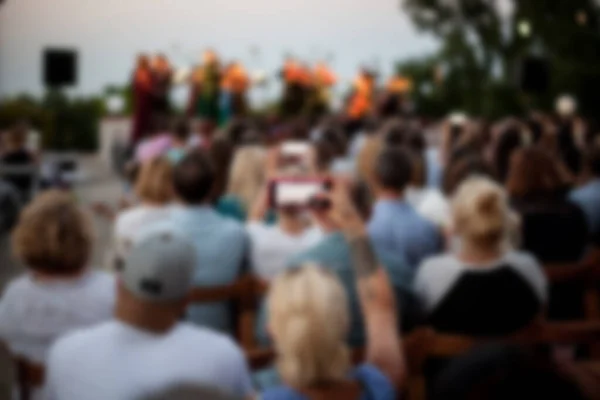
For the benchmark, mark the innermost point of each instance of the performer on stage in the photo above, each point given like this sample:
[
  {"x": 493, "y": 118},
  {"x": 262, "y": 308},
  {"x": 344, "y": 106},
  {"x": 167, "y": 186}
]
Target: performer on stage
[
  {"x": 293, "y": 98},
  {"x": 143, "y": 98},
  {"x": 360, "y": 103},
  {"x": 234, "y": 86},
  {"x": 206, "y": 88},
  {"x": 162, "y": 77},
  {"x": 322, "y": 79},
  {"x": 392, "y": 102}
]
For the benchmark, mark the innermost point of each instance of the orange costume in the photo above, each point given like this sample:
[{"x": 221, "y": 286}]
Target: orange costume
[
  {"x": 361, "y": 101},
  {"x": 296, "y": 79},
  {"x": 234, "y": 85}
]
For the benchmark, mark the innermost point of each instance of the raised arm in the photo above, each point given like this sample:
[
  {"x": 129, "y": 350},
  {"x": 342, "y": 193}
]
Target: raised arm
[{"x": 383, "y": 348}]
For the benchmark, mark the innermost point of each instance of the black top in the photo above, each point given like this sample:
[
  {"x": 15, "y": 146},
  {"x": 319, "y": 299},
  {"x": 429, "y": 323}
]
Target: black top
[
  {"x": 552, "y": 228},
  {"x": 491, "y": 300}
]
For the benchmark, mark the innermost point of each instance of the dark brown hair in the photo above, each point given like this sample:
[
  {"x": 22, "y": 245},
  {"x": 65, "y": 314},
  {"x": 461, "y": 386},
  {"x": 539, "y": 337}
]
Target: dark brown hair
[{"x": 532, "y": 171}]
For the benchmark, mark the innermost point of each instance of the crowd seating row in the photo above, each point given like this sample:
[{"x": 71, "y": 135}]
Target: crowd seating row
[{"x": 420, "y": 345}]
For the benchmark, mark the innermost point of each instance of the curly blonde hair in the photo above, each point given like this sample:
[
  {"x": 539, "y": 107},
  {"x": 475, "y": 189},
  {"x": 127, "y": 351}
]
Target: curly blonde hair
[
  {"x": 309, "y": 320},
  {"x": 53, "y": 235}
]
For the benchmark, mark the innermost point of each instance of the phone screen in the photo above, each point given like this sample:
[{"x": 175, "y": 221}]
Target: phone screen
[
  {"x": 295, "y": 149},
  {"x": 297, "y": 194}
]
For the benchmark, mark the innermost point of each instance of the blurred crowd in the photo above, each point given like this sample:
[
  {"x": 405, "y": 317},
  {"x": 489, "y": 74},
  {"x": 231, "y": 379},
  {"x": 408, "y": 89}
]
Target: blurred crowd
[{"x": 363, "y": 224}]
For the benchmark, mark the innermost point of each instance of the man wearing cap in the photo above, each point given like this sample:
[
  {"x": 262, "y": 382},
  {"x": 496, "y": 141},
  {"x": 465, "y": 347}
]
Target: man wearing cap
[{"x": 146, "y": 349}]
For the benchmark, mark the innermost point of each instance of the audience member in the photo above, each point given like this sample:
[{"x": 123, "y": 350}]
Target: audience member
[
  {"x": 59, "y": 292},
  {"x": 587, "y": 197},
  {"x": 465, "y": 291},
  {"x": 157, "y": 143},
  {"x": 146, "y": 349},
  {"x": 509, "y": 138},
  {"x": 221, "y": 153},
  {"x": 272, "y": 246},
  {"x": 428, "y": 201},
  {"x": 246, "y": 178},
  {"x": 552, "y": 228},
  {"x": 179, "y": 141},
  {"x": 221, "y": 243},
  {"x": 395, "y": 226},
  {"x": 154, "y": 190},
  {"x": 16, "y": 154},
  {"x": 334, "y": 253},
  {"x": 309, "y": 320}
]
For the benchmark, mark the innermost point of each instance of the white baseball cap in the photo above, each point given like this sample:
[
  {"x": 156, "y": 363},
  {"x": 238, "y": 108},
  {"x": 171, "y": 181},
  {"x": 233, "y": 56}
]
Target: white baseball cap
[{"x": 160, "y": 266}]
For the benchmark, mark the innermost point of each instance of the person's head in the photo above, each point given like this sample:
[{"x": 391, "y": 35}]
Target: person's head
[
  {"x": 461, "y": 169},
  {"x": 220, "y": 153},
  {"x": 143, "y": 61},
  {"x": 393, "y": 171},
  {"x": 336, "y": 140},
  {"x": 247, "y": 174},
  {"x": 155, "y": 280},
  {"x": 367, "y": 156},
  {"x": 193, "y": 179},
  {"x": 511, "y": 139},
  {"x": 309, "y": 321},
  {"x": 53, "y": 236},
  {"x": 181, "y": 131},
  {"x": 16, "y": 138},
  {"x": 481, "y": 214},
  {"x": 154, "y": 182},
  {"x": 533, "y": 172}
]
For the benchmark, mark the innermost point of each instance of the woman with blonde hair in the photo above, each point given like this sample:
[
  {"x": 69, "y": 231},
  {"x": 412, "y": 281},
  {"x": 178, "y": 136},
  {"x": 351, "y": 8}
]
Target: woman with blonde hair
[
  {"x": 482, "y": 287},
  {"x": 246, "y": 178},
  {"x": 154, "y": 190},
  {"x": 309, "y": 322},
  {"x": 59, "y": 291}
]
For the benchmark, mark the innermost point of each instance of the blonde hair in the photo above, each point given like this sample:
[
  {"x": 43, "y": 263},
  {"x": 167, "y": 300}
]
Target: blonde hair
[
  {"x": 154, "y": 183},
  {"x": 53, "y": 235},
  {"x": 480, "y": 212},
  {"x": 367, "y": 159},
  {"x": 309, "y": 319},
  {"x": 247, "y": 174}
]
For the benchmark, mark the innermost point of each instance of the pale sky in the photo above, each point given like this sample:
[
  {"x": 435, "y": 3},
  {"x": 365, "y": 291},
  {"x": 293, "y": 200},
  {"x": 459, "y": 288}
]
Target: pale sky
[{"x": 109, "y": 33}]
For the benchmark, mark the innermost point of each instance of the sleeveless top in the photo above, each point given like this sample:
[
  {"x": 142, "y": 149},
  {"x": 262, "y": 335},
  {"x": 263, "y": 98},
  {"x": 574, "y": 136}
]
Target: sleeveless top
[{"x": 376, "y": 386}]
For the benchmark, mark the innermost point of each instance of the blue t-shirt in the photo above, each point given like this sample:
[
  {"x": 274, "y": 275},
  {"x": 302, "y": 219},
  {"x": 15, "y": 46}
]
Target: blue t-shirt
[
  {"x": 376, "y": 386},
  {"x": 222, "y": 246}
]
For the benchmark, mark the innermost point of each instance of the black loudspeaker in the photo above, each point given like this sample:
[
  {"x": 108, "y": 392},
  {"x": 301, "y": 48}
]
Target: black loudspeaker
[
  {"x": 60, "y": 67},
  {"x": 535, "y": 75}
]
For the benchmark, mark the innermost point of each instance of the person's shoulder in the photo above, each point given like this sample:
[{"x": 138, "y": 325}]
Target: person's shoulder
[
  {"x": 441, "y": 261},
  {"x": 258, "y": 228},
  {"x": 530, "y": 269},
  {"x": 17, "y": 286},
  {"x": 76, "y": 341},
  {"x": 102, "y": 279},
  {"x": 219, "y": 343},
  {"x": 521, "y": 259}
]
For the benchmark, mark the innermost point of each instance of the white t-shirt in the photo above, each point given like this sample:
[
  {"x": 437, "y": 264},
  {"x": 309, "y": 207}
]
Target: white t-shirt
[
  {"x": 34, "y": 314},
  {"x": 272, "y": 248},
  {"x": 120, "y": 362},
  {"x": 129, "y": 223},
  {"x": 431, "y": 204}
]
